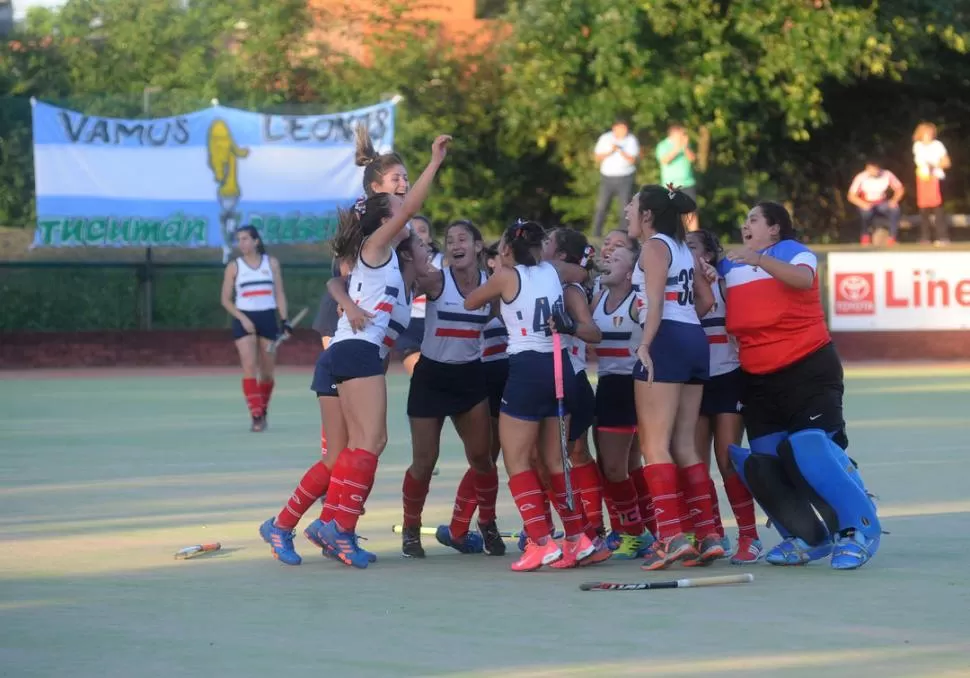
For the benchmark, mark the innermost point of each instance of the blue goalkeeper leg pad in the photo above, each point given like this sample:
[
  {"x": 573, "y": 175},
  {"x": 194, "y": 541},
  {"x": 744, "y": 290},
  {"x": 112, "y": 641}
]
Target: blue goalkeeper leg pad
[
  {"x": 823, "y": 471},
  {"x": 789, "y": 511}
]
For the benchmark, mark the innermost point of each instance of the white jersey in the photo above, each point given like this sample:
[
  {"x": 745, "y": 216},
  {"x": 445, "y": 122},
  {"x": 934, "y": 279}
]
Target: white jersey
[
  {"x": 380, "y": 291},
  {"x": 724, "y": 347},
  {"x": 527, "y": 316},
  {"x": 678, "y": 301},
  {"x": 420, "y": 304},
  {"x": 255, "y": 287},
  {"x": 576, "y": 347},
  {"x": 616, "y": 353},
  {"x": 452, "y": 334},
  {"x": 496, "y": 341}
]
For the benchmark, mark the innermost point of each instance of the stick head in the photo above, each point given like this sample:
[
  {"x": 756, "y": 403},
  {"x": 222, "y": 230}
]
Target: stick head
[{"x": 588, "y": 586}]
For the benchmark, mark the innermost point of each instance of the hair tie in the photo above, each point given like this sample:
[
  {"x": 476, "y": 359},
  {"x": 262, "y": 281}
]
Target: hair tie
[
  {"x": 360, "y": 206},
  {"x": 588, "y": 252},
  {"x": 671, "y": 190}
]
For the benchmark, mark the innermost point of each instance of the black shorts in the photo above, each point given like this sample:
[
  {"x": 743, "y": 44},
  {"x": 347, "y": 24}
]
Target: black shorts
[
  {"x": 722, "y": 394},
  {"x": 680, "y": 354},
  {"x": 323, "y": 382},
  {"x": 496, "y": 374},
  {"x": 806, "y": 394},
  {"x": 615, "y": 404},
  {"x": 409, "y": 341},
  {"x": 354, "y": 359},
  {"x": 530, "y": 391},
  {"x": 266, "y": 322},
  {"x": 583, "y": 409},
  {"x": 440, "y": 390}
]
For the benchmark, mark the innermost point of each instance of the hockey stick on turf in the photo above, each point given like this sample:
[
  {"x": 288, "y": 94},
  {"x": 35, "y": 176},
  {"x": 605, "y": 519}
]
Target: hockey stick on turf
[
  {"x": 674, "y": 584},
  {"x": 283, "y": 335},
  {"x": 431, "y": 531},
  {"x": 191, "y": 551},
  {"x": 561, "y": 407}
]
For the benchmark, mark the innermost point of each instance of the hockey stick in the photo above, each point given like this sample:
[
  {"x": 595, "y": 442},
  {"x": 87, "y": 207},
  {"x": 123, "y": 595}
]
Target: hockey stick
[
  {"x": 283, "y": 335},
  {"x": 561, "y": 407},
  {"x": 198, "y": 549},
  {"x": 431, "y": 531},
  {"x": 675, "y": 584}
]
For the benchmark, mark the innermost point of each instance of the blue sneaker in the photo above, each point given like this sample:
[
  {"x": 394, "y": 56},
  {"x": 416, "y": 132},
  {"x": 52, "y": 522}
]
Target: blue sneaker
[
  {"x": 852, "y": 550},
  {"x": 472, "y": 542},
  {"x": 613, "y": 540},
  {"x": 646, "y": 543},
  {"x": 343, "y": 545},
  {"x": 281, "y": 542},
  {"x": 314, "y": 532},
  {"x": 794, "y": 551},
  {"x": 726, "y": 545},
  {"x": 523, "y": 540}
]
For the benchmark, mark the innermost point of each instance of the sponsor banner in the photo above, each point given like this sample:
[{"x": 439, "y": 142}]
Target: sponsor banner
[
  {"x": 899, "y": 291},
  {"x": 191, "y": 180}
]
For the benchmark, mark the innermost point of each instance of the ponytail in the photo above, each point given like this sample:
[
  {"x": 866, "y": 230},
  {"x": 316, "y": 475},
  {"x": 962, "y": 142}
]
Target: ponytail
[
  {"x": 375, "y": 164},
  {"x": 669, "y": 205},
  {"x": 358, "y": 222},
  {"x": 525, "y": 238}
]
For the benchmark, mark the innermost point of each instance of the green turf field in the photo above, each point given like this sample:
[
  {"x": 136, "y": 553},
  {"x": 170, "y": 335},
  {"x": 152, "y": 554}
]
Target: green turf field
[{"x": 102, "y": 479}]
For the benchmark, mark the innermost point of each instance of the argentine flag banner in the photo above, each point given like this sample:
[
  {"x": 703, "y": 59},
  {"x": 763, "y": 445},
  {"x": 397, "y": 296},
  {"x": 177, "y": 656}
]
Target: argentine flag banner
[{"x": 192, "y": 180}]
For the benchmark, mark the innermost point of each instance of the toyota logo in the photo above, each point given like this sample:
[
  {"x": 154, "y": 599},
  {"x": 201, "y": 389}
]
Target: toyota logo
[{"x": 854, "y": 288}]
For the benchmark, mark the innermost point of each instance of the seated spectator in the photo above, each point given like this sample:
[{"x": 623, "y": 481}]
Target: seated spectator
[{"x": 877, "y": 192}]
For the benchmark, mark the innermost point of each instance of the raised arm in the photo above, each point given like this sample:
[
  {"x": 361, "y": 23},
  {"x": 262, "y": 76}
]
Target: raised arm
[
  {"x": 378, "y": 246},
  {"x": 503, "y": 284},
  {"x": 703, "y": 292}
]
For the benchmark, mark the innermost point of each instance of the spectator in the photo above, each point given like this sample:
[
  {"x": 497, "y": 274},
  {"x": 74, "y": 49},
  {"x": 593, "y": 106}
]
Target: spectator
[
  {"x": 677, "y": 161},
  {"x": 870, "y": 192},
  {"x": 931, "y": 160},
  {"x": 616, "y": 152}
]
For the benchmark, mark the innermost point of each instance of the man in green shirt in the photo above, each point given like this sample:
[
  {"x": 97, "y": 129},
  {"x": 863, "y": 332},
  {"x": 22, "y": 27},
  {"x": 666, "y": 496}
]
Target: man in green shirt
[{"x": 677, "y": 161}]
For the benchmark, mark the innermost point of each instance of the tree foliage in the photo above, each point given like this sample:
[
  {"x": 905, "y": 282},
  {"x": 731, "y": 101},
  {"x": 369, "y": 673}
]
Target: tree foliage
[{"x": 787, "y": 97}]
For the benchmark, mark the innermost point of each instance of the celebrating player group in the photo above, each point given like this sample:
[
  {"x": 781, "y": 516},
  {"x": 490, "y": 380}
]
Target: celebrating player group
[{"x": 693, "y": 347}]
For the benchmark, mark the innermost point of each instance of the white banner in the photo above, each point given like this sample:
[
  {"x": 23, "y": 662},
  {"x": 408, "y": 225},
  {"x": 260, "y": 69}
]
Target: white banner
[{"x": 899, "y": 291}]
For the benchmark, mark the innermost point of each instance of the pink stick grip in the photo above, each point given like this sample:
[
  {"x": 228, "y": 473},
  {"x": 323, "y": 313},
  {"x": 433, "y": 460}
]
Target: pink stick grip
[{"x": 557, "y": 363}]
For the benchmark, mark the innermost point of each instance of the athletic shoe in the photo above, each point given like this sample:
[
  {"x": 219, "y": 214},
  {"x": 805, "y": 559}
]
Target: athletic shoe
[
  {"x": 411, "y": 543},
  {"x": 469, "y": 542},
  {"x": 537, "y": 555},
  {"x": 613, "y": 540},
  {"x": 726, "y": 545},
  {"x": 601, "y": 554},
  {"x": 313, "y": 532},
  {"x": 627, "y": 548},
  {"x": 523, "y": 539},
  {"x": 708, "y": 550},
  {"x": 574, "y": 551},
  {"x": 852, "y": 550},
  {"x": 258, "y": 425},
  {"x": 646, "y": 541},
  {"x": 749, "y": 551},
  {"x": 794, "y": 551},
  {"x": 665, "y": 552},
  {"x": 492, "y": 542},
  {"x": 280, "y": 541},
  {"x": 343, "y": 545}
]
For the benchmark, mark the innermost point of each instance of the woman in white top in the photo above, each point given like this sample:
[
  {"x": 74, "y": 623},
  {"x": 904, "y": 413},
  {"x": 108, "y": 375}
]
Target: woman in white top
[
  {"x": 530, "y": 291},
  {"x": 371, "y": 235},
  {"x": 252, "y": 293},
  {"x": 409, "y": 343},
  {"x": 932, "y": 161},
  {"x": 674, "y": 364},
  {"x": 720, "y": 422}
]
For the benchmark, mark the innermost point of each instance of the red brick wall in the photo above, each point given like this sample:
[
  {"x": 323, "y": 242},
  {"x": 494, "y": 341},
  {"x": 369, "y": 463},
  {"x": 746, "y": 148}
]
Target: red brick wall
[{"x": 213, "y": 348}]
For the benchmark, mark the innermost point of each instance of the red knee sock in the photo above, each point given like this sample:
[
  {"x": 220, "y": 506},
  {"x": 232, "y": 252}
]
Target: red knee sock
[
  {"x": 743, "y": 506},
  {"x": 465, "y": 503},
  {"x": 312, "y": 486},
  {"x": 662, "y": 483},
  {"x": 358, "y": 482},
  {"x": 572, "y": 520},
  {"x": 699, "y": 499},
  {"x": 644, "y": 499},
  {"x": 486, "y": 491},
  {"x": 265, "y": 393},
  {"x": 624, "y": 496},
  {"x": 718, "y": 525},
  {"x": 415, "y": 492},
  {"x": 254, "y": 400},
  {"x": 685, "y": 509},
  {"x": 329, "y": 511},
  {"x": 528, "y": 496},
  {"x": 588, "y": 489}
]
